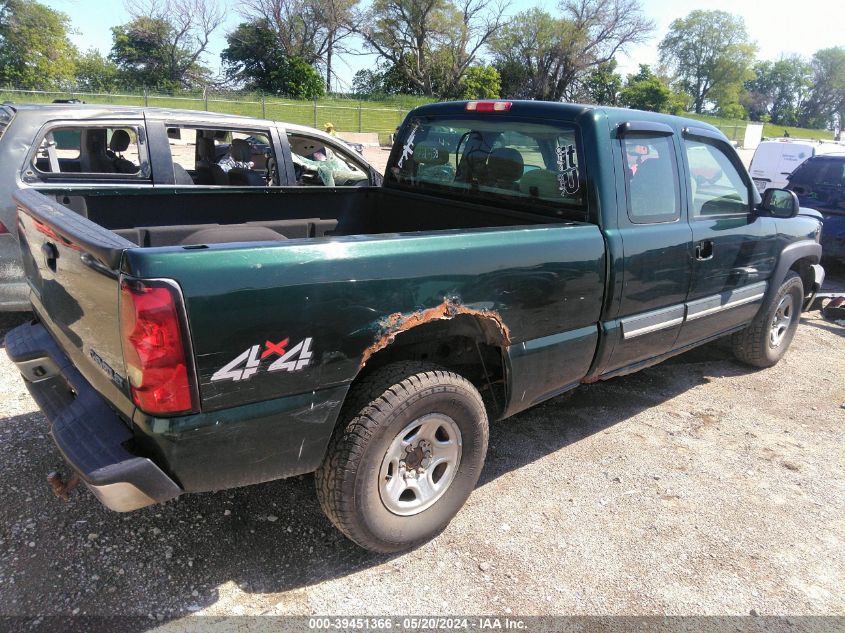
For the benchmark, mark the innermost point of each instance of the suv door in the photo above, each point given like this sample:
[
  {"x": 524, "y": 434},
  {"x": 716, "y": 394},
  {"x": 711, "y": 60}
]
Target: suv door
[{"x": 734, "y": 249}]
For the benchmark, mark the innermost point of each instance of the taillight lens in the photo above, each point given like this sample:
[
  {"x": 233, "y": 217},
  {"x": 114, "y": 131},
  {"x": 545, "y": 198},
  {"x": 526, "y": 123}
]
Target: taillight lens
[
  {"x": 3, "y": 229},
  {"x": 154, "y": 348},
  {"x": 488, "y": 106}
]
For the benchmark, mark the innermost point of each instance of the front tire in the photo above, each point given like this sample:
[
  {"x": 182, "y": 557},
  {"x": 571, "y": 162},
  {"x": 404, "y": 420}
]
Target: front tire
[
  {"x": 405, "y": 458},
  {"x": 766, "y": 339}
]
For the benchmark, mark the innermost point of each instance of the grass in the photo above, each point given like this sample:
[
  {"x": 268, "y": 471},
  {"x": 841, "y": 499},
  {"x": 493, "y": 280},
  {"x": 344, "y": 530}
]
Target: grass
[
  {"x": 347, "y": 114},
  {"x": 735, "y": 128}
]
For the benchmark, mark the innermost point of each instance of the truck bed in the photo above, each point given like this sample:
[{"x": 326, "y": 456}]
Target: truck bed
[{"x": 169, "y": 216}]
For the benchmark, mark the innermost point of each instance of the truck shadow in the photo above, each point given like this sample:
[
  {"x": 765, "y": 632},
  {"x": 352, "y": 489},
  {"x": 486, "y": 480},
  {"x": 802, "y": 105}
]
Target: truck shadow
[{"x": 269, "y": 540}]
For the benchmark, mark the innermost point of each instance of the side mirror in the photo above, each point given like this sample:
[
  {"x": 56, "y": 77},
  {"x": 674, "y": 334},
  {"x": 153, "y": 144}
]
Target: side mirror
[{"x": 780, "y": 203}]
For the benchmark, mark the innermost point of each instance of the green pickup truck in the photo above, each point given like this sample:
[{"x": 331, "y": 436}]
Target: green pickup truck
[{"x": 209, "y": 340}]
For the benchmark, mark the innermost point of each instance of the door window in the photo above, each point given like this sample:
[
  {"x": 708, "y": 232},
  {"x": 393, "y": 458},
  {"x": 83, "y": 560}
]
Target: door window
[
  {"x": 222, "y": 157},
  {"x": 716, "y": 184},
  {"x": 116, "y": 151},
  {"x": 317, "y": 163},
  {"x": 651, "y": 177}
]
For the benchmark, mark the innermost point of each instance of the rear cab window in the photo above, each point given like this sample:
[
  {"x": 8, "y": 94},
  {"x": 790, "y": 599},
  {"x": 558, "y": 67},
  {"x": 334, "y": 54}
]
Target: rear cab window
[
  {"x": 90, "y": 151},
  {"x": 516, "y": 162}
]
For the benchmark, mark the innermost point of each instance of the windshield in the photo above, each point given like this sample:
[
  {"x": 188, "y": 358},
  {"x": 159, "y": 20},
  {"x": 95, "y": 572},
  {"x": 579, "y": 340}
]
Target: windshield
[
  {"x": 820, "y": 183},
  {"x": 493, "y": 158}
]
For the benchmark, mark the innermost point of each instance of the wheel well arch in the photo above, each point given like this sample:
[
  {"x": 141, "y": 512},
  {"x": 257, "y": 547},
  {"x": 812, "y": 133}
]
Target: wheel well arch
[
  {"x": 804, "y": 269},
  {"x": 797, "y": 256},
  {"x": 472, "y": 345}
]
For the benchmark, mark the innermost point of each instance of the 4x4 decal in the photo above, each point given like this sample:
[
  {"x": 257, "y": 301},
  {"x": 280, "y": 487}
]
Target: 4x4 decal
[{"x": 246, "y": 364}]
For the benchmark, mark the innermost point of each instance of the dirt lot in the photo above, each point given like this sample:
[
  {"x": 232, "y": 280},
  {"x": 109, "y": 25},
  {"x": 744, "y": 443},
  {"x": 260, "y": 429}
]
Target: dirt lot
[{"x": 696, "y": 487}]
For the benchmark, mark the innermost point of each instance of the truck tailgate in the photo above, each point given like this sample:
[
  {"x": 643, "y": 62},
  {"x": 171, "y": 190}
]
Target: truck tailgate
[{"x": 71, "y": 265}]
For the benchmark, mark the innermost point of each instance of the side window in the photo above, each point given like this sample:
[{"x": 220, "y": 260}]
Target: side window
[
  {"x": 317, "y": 163},
  {"x": 222, "y": 157},
  {"x": 651, "y": 178},
  {"x": 717, "y": 186},
  {"x": 117, "y": 151}
]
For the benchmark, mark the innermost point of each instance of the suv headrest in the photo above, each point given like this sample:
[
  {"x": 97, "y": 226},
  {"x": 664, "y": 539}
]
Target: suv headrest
[
  {"x": 119, "y": 141},
  {"x": 505, "y": 164},
  {"x": 240, "y": 150}
]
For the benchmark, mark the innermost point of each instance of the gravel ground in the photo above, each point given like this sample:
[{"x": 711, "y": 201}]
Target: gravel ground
[{"x": 695, "y": 487}]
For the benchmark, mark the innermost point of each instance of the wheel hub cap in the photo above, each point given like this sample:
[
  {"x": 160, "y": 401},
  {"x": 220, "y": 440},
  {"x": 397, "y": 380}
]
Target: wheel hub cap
[
  {"x": 420, "y": 464},
  {"x": 781, "y": 321}
]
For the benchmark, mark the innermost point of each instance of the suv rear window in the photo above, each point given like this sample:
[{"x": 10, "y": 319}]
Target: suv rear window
[
  {"x": 102, "y": 150},
  {"x": 493, "y": 158}
]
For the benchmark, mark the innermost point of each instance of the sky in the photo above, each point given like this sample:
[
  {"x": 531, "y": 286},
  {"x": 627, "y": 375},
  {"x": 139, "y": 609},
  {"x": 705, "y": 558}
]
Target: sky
[{"x": 779, "y": 27}]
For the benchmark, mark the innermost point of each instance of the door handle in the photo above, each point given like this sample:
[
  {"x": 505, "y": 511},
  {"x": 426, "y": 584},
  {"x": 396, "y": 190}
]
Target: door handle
[
  {"x": 704, "y": 250},
  {"x": 51, "y": 254}
]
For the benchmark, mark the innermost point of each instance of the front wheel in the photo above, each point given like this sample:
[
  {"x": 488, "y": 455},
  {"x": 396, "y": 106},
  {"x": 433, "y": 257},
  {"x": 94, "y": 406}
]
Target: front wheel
[
  {"x": 766, "y": 339},
  {"x": 407, "y": 457}
]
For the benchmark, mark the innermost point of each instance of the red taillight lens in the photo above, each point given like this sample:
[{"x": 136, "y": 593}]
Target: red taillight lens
[
  {"x": 488, "y": 106},
  {"x": 3, "y": 229},
  {"x": 153, "y": 348}
]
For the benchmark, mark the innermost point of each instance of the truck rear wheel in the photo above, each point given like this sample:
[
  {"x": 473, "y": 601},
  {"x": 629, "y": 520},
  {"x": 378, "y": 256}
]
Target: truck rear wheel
[
  {"x": 405, "y": 458},
  {"x": 766, "y": 339}
]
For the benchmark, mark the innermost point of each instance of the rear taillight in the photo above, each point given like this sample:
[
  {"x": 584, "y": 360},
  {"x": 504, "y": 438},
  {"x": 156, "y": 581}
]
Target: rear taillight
[
  {"x": 3, "y": 229},
  {"x": 154, "y": 348},
  {"x": 488, "y": 106}
]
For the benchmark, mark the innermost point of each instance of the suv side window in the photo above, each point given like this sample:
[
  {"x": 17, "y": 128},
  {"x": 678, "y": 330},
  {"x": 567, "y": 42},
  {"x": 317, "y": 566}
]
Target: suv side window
[
  {"x": 716, "y": 185},
  {"x": 651, "y": 178},
  {"x": 108, "y": 151},
  {"x": 319, "y": 164},
  {"x": 222, "y": 157}
]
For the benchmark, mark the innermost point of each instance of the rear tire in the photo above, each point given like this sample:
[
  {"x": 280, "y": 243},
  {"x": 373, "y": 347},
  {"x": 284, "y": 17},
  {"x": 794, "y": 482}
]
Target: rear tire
[
  {"x": 766, "y": 339},
  {"x": 406, "y": 456}
]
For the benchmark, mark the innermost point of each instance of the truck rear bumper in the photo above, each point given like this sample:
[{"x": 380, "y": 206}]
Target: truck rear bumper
[{"x": 89, "y": 434}]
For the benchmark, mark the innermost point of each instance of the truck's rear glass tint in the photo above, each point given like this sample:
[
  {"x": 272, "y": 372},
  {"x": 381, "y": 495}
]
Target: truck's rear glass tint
[{"x": 496, "y": 158}]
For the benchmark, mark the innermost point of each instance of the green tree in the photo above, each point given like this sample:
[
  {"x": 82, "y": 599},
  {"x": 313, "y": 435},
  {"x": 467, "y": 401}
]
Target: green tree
[
  {"x": 95, "y": 73},
  {"x": 35, "y": 51},
  {"x": 311, "y": 30},
  {"x": 778, "y": 89},
  {"x": 253, "y": 59},
  {"x": 602, "y": 85},
  {"x": 385, "y": 80},
  {"x": 711, "y": 56},
  {"x": 540, "y": 56},
  {"x": 480, "y": 82},
  {"x": 827, "y": 97},
  {"x": 432, "y": 43},
  {"x": 163, "y": 44},
  {"x": 646, "y": 91},
  {"x": 252, "y": 56}
]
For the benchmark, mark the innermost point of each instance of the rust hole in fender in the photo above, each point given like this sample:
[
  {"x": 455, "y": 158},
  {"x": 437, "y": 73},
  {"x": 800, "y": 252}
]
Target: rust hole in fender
[{"x": 396, "y": 323}]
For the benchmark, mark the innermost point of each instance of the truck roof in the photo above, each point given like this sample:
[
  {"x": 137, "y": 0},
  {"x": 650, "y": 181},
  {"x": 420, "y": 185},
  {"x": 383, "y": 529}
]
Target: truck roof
[
  {"x": 568, "y": 112},
  {"x": 43, "y": 112},
  {"x": 103, "y": 110}
]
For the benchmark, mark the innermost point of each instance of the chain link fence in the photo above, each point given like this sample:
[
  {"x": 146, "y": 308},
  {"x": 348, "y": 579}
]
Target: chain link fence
[{"x": 345, "y": 113}]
